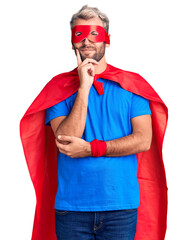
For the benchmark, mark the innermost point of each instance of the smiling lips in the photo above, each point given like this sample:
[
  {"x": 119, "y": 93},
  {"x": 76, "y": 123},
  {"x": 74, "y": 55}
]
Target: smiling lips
[{"x": 87, "y": 49}]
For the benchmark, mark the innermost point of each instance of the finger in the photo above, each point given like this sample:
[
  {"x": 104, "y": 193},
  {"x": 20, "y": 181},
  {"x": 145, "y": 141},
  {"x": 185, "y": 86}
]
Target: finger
[
  {"x": 65, "y": 138},
  {"x": 91, "y": 69},
  {"x": 79, "y": 60},
  {"x": 62, "y": 148},
  {"x": 91, "y": 72}
]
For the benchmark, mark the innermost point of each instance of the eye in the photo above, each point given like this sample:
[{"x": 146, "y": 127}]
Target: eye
[
  {"x": 94, "y": 33},
  {"x": 78, "y": 33}
]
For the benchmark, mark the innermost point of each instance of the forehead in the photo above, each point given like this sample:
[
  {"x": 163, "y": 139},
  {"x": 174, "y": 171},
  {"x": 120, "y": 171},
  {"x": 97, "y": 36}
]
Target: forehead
[{"x": 92, "y": 21}]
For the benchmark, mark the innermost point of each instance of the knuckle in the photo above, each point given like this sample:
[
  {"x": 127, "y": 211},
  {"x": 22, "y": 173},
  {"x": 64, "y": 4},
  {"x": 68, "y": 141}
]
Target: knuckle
[{"x": 85, "y": 61}]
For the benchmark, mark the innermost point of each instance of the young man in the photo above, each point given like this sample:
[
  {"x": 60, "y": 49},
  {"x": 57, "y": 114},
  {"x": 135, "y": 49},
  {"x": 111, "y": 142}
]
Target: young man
[
  {"x": 110, "y": 183},
  {"x": 102, "y": 194}
]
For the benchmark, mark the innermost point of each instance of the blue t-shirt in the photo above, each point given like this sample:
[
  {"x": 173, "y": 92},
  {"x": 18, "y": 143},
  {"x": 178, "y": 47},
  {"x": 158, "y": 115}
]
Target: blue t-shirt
[{"x": 103, "y": 183}]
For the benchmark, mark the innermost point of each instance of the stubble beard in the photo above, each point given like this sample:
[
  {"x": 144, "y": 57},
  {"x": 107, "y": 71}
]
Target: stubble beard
[{"x": 97, "y": 56}]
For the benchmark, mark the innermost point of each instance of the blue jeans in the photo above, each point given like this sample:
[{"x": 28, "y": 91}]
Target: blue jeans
[{"x": 107, "y": 225}]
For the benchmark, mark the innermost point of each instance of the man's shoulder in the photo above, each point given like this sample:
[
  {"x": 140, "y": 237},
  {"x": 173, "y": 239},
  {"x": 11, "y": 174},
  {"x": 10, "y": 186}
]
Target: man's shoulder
[
  {"x": 60, "y": 87},
  {"x": 125, "y": 73},
  {"x": 133, "y": 82},
  {"x": 125, "y": 78},
  {"x": 65, "y": 76}
]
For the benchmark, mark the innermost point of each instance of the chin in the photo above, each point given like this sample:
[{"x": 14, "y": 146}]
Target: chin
[
  {"x": 83, "y": 57},
  {"x": 95, "y": 56}
]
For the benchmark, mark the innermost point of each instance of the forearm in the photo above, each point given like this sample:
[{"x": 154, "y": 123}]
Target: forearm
[
  {"x": 138, "y": 141},
  {"x": 74, "y": 123},
  {"x": 128, "y": 145}
]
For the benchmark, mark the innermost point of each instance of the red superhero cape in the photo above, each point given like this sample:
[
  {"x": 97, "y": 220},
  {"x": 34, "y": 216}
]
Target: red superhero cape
[{"x": 41, "y": 155}]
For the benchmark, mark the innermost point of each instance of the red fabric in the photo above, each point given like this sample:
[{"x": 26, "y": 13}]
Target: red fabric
[
  {"x": 98, "y": 148},
  {"x": 98, "y": 86},
  {"x": 80, "y": 32},
  {"x": 41, "y": 155}
]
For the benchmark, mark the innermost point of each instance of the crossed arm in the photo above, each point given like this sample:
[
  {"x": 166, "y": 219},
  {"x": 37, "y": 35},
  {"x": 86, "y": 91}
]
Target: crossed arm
[{"x": 69, "y": 129}]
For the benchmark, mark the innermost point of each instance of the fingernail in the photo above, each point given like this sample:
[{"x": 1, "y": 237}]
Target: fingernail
[{"x": 59, "y": 137}]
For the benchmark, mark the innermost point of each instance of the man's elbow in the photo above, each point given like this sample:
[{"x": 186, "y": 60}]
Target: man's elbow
[{"x": 146, "y": 144}]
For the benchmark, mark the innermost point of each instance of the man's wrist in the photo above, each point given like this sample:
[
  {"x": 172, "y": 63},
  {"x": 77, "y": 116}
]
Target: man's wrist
[
  {"x": 98, "y": 148},
  {"x": 84, "y": 90},
  {"x": 82, "y": 95},
  {"x": 88, "y": 149}
]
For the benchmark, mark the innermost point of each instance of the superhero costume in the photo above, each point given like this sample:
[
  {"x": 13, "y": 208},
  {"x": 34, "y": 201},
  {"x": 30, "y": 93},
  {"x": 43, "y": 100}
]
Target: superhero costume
[{"x": 41, "y": 154}]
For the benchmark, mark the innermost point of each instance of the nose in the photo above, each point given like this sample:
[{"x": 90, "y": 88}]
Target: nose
[{"x": 86, "y": 41}]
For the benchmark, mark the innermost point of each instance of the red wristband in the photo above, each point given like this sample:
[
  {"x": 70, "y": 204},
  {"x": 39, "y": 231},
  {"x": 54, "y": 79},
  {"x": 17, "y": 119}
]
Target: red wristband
[{"x": 98, "y": 148}]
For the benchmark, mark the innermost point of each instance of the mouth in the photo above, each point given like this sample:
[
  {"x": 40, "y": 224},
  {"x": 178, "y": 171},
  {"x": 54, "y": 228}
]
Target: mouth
[{"x": 87, "y": 50}]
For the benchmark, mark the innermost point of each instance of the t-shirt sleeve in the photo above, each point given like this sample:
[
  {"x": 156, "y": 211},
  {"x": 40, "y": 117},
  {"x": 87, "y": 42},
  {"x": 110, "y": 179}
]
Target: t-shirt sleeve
[
  {"x": 58, "y": 110},
  {"x": 139, "y": 106}
]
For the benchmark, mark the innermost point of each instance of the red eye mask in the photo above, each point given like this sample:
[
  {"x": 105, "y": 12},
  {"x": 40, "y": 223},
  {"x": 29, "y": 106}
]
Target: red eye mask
[{"x": 94, "y": 33}]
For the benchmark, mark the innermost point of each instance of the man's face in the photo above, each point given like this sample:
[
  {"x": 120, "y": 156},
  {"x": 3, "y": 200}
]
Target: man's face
[{"x": 87, "y": 48}]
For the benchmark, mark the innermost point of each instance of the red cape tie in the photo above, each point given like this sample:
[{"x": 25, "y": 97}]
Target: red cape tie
[{"x": 98, "y": 85}]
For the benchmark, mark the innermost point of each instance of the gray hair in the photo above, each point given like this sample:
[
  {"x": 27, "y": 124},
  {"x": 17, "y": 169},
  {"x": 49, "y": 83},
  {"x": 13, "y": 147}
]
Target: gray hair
[{"x": 89, "y": 12}]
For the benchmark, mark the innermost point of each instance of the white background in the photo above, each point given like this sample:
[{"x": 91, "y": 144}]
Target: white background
[{"x": 147, "y": 37}]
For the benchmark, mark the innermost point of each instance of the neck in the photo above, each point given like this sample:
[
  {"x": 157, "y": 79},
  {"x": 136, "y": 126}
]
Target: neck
[{"x": 101, "y": 67}]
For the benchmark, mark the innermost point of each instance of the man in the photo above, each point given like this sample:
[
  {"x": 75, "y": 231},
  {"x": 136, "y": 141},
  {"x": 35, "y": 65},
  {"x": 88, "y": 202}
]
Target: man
[
  {"x": 118, "y": 117},
  {"x": 99, "y": 128}
]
